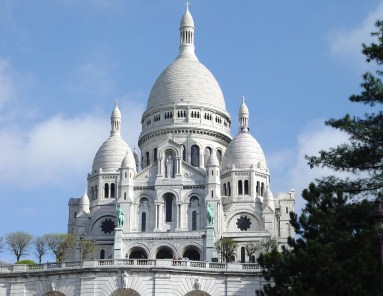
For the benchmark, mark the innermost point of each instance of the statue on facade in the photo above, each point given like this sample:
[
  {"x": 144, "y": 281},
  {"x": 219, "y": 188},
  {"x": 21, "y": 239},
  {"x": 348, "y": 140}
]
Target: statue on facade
[
  {"x": 124, "y": 279},
  {"x": 169, "y": 167},
  {"x": 120, "y": 216},
  {"x": 210, "y": 214}
]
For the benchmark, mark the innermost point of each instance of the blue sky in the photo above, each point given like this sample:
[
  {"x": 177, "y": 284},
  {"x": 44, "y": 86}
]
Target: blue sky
[{"x": 63, "y": 63}]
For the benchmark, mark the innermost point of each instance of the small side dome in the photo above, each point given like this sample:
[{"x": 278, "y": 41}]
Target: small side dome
[
  {"x": 244, "y": 152},
  {"x": 212, "y": 160},
  {"x": 84, "y": 203},
  {"x": 129, "y": 161},
  {"x": 110, "y": 155}
]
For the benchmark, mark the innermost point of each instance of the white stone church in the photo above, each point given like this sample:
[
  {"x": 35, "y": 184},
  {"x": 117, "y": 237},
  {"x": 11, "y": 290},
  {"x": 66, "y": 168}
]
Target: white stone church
[
  {"x": 156, "y": 217},
  {"x": 188, "y": 161}
]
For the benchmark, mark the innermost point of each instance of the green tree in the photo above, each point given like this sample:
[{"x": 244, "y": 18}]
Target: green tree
[
  {"x": 363, "y": 154},
  {"x": 18, "y": 243},
  {"x": 59, "y": 244},
  {"x": 40, "y": 247},
  {"x": 87, "y": 247},
  {"x": 226, "y": 247},
  {"x": 251, "y": 249},
  {"x": 268, "y": 244},
  {"x": 337, "y": 252}
]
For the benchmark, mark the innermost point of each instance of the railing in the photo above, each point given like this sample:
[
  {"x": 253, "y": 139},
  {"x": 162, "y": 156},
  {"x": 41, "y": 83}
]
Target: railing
[{"x": 133, "y": 263}]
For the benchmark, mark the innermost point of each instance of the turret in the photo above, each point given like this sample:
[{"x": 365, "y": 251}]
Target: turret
[{"x": 243, "y": 116}]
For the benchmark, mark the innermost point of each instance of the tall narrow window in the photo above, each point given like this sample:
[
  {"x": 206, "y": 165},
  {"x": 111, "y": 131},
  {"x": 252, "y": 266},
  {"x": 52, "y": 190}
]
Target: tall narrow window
[
  {"x": 195, "y": 155},
  {"x": 112, "y": 190},
  {"x": 147, "y": 158},
  {"x": 92, "y": 192},
  {"x": 143, "y": 222},
  {"x": 229, "y": 188},
  {"x": 95, "y": 192},
  {"x": 102, "y": 254},
  {"x": 224, "y": 189},
  {"x": 262, "y": 189},
  {"x": 246, "y": 186},
  {"x": 258, "y": 188},
  {"x": 219, "y": 155},
  {"x": 183, "y": 153},
  {"x": 243, "y": 254},
  {"x": 168, "y": 208},
  {"x": 106, "y": 190},
  {"x": 240, "y": 192},
  {"x": 194, "y": 220},
  {"x": 155, "y": 154}
]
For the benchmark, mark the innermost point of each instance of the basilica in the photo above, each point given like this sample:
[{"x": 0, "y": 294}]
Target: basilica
[
  {"x": 192, "y": 182},
  {"x": 156, "y": 216}
]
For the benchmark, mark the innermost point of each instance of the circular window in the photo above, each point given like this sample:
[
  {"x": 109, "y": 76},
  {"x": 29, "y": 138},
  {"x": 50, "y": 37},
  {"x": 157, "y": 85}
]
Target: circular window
[
  {"x": 243, "y": 223},
  {"x": 107, "y": 226}
]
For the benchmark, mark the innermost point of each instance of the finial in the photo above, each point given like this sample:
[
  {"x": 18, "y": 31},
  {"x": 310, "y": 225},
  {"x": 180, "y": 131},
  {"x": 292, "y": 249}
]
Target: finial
[
  {"x": 115, "y": 103},
  {"x": 243, "y": 99},
  {"x": 187, "y": 5}
]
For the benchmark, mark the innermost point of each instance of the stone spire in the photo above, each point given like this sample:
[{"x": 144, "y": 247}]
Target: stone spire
[
  {"x": 84, "y": 203},
  {"x": 243, "y": 116},
  {"x": 187, "y": 34},
  {"x": 268, "y": 200},
  {"x": 115, "y": 121}
]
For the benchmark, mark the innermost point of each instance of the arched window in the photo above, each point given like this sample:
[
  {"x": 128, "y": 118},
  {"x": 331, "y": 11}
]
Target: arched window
[
  {"x": 143, "y": 222},
  {"x": 155, "y": 154},
  {"x": 183, "y": 153},
  {"x": 95, "y": 192},
  {"x": 229, "y": 188},
  {"x": 124, "y": 195},
  {"x": 262, "y": 189},
  {"x": 92, "y": 192},
  {"x": 147, "y": 158},
  {"x": 112, "y": 190},
  {"x": 168, "y": 208},
  {"x": 194, "y": 220},
  {"x": 252, "y": 259},
  {"x": 258, "y": 188},
  {"x": 219, "y": 155},
  {"x": 246, "y": 186},
  {"x": 240, "y": 192},
  {"x": 224, "y": 189},
  {"x": 102, "y": 254},
  {"x": 243, "y": 254},
  {"x": 106, "y": 190},
  {"x": 195, "y": 155}
]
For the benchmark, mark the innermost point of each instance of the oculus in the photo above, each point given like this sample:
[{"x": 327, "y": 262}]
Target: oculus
[
  {"x": 107, "y": 226},
  {"x": 243, "y": 223}
]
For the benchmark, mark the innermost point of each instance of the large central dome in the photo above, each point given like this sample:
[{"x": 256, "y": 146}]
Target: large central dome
[{"x": 186, "y": 81}]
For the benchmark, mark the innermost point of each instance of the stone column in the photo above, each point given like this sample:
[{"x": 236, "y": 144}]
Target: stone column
[
  {"x": 117, "y": 254},
  {"x": 210, "y": 240}
]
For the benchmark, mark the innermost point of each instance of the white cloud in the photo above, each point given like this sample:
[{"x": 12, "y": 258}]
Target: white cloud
[
  {"x": 60, "y": 149},
  {"x": 349, "y": 42},
  {"x": 295, "y": 172}
]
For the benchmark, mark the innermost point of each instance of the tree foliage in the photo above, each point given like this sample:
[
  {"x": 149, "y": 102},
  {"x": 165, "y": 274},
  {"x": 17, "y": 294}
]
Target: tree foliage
[
  {"x": 59, "y": 244},
  {"x": 251, "y": 248},
  {"x": 363, "y": 154},
  {"x": 18, "y": 243},
  {"x": 87, "y": 248},
  {"x": 337, "y": 252},
  {"x": 40, "y": 247},
  {"x": 226, "y": 247}
]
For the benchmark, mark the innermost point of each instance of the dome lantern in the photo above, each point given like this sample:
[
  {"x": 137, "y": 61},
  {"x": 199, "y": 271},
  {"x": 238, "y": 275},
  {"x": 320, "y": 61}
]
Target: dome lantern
[{"x": 243, "y": 116}]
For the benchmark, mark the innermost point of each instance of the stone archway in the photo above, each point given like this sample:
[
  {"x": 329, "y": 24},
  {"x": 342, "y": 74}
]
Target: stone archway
[
  {"x": 164, "y": 253},
  {"x": 197, "y": 293},
  {"x": 192, "y": 253},
  {"x": 125, "y": 292},
  {"x": 53, "y": 293},
  {"x": 138, "y": 253}
]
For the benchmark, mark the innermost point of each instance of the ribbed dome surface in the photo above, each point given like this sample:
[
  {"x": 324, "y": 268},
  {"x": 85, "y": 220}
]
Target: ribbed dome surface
[
  {"x": 186, "y": 80},
  {"x": 244, "y": 152},
  {"x": 110, "y": 155}
]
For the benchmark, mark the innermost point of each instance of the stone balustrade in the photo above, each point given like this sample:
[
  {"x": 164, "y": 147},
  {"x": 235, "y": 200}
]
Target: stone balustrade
[{"x": 133, "y": 263}]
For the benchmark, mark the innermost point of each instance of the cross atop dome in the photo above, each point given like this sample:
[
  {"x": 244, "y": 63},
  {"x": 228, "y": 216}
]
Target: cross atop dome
[{"x": 187, "y": 5}]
